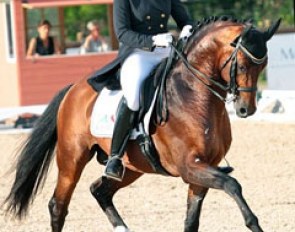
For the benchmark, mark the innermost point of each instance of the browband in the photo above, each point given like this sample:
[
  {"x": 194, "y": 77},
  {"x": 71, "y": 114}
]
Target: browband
[{"x": 253, "y": 58}]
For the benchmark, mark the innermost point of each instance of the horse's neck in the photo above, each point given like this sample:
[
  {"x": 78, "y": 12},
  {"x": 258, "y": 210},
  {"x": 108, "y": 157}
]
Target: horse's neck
[{"x": 188, "y": 98}]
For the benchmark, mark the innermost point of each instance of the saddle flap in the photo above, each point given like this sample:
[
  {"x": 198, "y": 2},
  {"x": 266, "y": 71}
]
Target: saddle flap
[{"x": 149, "y": 87}]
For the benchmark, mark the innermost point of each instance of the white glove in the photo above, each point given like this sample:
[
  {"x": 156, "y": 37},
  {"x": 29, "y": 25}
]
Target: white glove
[
  {"x": 162, "y": 40},
  {"x": 185, "y": 32}
]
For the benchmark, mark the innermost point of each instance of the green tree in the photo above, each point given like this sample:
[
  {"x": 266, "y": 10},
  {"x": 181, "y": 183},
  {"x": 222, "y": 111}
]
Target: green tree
[{"x": 77, "y": 17}]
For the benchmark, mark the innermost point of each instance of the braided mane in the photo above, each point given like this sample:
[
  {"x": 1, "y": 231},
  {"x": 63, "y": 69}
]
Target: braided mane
[
  {"x": 198, "y": 25},
  {"x": 202, "y": 25}
]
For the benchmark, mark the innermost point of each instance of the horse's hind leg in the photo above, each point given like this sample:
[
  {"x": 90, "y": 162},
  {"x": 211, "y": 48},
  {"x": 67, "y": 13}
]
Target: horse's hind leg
[
  {"x": 196, "y": 195},
  {"x": 71, "y": 163},
  {"x": 104, "y": 189}
]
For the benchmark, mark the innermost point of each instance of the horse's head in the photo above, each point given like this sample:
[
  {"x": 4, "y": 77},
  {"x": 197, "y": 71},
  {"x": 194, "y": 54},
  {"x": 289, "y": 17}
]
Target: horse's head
[
  {"x": 228, "y": 57},
  {"x": 241, "y": 62}
]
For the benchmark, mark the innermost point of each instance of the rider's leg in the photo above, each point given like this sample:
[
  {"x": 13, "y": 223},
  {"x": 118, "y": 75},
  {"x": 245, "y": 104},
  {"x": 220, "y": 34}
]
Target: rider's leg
[
  {"x": 123, "y": 125},
  {"x": 135, "y": 69}
]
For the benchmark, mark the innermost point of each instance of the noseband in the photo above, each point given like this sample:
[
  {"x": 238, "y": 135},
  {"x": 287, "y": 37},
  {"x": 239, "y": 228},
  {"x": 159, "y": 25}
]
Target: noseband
[{"x": 232, "y": 86}]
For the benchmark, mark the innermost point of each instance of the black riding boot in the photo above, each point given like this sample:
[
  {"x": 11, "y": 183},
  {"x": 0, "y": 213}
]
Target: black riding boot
[{"x": 123, "y": 126}]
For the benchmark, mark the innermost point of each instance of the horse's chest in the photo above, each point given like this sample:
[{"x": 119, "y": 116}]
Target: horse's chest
[{"x": 213, "y": 143}]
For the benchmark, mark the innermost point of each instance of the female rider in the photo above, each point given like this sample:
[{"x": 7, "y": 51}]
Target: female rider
[{"x": 141, "y": 28}]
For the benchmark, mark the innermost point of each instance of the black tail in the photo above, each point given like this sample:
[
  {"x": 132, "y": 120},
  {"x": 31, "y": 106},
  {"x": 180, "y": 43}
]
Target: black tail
[{"x": 33, "y": 163}]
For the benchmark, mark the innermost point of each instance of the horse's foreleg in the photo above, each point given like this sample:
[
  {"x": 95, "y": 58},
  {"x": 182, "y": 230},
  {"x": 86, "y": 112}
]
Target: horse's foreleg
[
  {"x": 209, "y": 177},
  {"x": 196, "y": 195},
  {"x": 104, "y": 189},
  {"x": 70, "y": 169}
]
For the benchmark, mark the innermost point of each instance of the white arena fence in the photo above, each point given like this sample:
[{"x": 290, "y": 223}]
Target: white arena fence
[{"x": 274, "y": 106}]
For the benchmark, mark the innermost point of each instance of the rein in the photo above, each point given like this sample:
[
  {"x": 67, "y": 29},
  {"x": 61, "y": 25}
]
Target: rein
[{"x": 232, "y": 87}]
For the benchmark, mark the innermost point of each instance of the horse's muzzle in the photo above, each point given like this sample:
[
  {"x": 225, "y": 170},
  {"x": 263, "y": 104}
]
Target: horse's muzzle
[{"x": 243, "y": 110}]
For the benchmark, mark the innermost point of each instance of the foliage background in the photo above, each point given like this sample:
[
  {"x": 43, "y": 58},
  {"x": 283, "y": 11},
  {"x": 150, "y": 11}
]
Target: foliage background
[{"x": 263, "y": 12}]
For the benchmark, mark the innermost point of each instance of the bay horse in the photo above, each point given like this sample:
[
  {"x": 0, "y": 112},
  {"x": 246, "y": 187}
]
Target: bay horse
[{"x": 222, "y": 56}]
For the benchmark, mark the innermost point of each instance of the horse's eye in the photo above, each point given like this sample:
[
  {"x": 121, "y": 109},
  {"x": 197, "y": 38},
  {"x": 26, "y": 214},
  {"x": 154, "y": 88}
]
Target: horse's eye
[{"x": 242, "y": 68}]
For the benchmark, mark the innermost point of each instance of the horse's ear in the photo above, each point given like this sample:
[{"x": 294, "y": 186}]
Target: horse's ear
[
  {"x": 243, "y": 34},
  {"x": 246, "y": 30},
  {"x": 271, "y": 30}
]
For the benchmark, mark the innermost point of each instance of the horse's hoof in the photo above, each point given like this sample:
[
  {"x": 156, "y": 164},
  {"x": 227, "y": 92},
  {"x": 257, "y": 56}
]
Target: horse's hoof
[
  {"x": 256, "y": 228},
  {"x": 121, "y": 229}
]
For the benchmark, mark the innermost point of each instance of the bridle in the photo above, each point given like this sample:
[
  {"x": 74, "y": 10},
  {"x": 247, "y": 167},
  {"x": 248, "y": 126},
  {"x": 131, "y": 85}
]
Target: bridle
[{"x": 232, "y": 86}]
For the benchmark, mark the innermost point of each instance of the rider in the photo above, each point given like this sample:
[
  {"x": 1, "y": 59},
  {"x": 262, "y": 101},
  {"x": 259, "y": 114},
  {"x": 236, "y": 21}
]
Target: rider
[{"x": 140, "y": 25}]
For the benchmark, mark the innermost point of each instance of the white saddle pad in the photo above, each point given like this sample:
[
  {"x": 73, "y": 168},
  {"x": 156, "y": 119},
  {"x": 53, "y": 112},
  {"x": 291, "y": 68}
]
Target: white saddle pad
[{"x": 104, "y": 114}]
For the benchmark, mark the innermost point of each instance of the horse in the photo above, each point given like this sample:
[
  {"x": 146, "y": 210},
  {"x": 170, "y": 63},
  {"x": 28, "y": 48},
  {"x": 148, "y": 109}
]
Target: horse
[{"x": 223, "y": 56}]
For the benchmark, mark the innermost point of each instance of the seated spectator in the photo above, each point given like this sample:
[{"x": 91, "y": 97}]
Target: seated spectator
[
  {"x": 94, "y": 42},
  {"x": 43, "y": 44}
]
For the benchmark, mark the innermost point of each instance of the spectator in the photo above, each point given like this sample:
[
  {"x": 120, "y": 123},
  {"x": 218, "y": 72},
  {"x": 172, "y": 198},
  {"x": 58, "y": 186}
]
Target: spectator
[
  {"x": 94, "y": 42},
  {"x": 43, "y": 44}
]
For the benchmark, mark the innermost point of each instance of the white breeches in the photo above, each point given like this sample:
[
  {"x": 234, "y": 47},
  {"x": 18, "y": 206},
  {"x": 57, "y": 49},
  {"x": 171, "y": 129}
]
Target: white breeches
[{"x": 136, "y": 69}]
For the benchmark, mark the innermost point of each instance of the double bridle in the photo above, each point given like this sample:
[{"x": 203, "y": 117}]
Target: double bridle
[{"x": 232, "y": 86}]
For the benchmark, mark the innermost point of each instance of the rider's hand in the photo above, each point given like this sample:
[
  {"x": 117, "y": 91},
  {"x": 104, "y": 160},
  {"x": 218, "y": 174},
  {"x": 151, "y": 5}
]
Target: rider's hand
[
  {"x": 186, "y": 32},
  {"x": 162, "y": 40}
]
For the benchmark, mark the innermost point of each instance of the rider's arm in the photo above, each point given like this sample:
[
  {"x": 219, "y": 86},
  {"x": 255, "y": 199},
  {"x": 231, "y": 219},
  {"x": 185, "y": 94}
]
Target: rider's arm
[{"x": 179, "y": 14}]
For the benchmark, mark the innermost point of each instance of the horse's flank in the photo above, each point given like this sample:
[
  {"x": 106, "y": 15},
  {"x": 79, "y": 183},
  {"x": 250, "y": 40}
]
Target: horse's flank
[{"x": 83, "y": 95}]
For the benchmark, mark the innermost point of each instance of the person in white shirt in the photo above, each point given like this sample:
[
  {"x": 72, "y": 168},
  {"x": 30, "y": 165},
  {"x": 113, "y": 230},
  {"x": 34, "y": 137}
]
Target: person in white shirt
[{"x": 94, "y": 42}]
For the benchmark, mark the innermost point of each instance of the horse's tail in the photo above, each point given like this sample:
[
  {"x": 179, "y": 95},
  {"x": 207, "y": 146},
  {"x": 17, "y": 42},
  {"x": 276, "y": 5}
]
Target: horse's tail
[{"x": 34, "y": 160}]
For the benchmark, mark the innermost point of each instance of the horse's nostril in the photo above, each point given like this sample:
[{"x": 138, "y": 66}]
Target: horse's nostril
[{"x": 243, "y": 111}]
